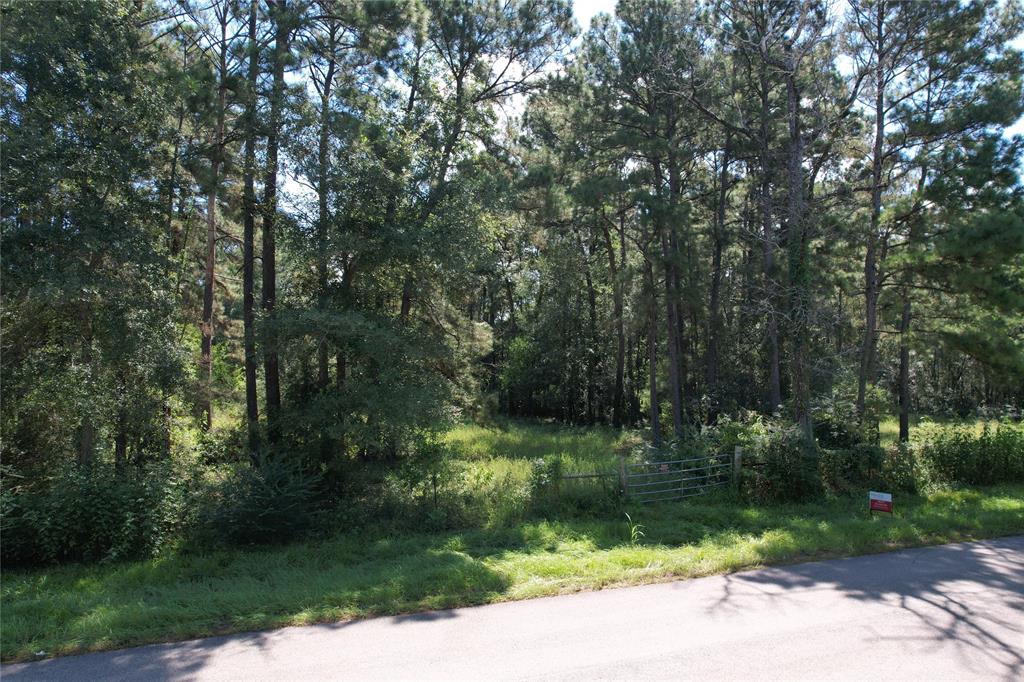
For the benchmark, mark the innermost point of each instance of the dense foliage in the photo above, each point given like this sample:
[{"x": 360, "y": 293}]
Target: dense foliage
[{"x": 263, "y": 252}]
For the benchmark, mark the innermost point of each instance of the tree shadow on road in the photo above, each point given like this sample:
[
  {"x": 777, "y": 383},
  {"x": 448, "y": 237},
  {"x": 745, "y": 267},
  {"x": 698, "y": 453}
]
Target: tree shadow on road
[{"x": 923, "y": 584}]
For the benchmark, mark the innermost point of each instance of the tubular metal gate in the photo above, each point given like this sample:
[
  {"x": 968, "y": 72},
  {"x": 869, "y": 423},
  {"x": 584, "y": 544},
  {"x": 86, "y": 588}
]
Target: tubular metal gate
[{"x": 661, "y": 481}]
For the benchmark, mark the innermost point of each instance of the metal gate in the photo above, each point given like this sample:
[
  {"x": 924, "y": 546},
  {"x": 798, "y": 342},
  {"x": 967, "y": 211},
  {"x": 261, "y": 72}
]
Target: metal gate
[{"x": 676, "y": 479}]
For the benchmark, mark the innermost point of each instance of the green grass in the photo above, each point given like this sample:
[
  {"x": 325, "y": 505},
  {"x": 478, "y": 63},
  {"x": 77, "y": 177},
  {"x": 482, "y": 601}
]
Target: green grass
[
  {"x": 509, "y": 447},
  {"x": 889, "y": 428},
  {"x": 81, "y": 608}
]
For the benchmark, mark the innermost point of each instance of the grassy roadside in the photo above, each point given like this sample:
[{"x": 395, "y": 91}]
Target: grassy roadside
[{"x": 83, "y": 608}]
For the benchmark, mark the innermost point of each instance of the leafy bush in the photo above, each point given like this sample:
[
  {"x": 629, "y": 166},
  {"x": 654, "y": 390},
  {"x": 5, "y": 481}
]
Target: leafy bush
[
  {"x": 837, "y": 426},
  {"x": 271, "y": 503},
  {"x": 900, "y": 470},
  {"x": 93, "y": 514},
  {"x": 835, "y": 433},
  {"x": 852, "y": 467},
  {"x": 781, "y": 467},
  {"x": 545, "y": 479},
  {"x": 958, "y": 455}
]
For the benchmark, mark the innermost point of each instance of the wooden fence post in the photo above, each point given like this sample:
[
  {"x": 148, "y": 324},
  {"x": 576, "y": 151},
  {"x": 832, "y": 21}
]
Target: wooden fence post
[
  {"x": 737, "y": 464},
  {"x": 622, "y": 474}
]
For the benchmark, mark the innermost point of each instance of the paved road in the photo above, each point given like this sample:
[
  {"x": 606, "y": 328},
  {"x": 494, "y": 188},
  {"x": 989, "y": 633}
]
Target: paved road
[{"x": 954, "y": 612}]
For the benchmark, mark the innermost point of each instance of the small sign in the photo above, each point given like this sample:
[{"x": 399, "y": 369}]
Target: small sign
[{"x": 881, "y": 502}]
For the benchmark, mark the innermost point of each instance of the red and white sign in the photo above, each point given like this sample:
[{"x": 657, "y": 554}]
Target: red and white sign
[{"x": 880, "y": 502}]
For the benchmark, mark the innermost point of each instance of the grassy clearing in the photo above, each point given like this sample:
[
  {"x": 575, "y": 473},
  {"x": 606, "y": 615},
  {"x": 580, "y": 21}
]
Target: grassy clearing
[
  {"x": 889, "y": 428},
  {"x": 82, "y": 608},
  {"x": 510, "y": 447}
]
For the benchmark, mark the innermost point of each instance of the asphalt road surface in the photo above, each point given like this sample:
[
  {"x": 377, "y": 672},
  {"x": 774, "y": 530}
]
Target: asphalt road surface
[{"x": 954, "y": 612}]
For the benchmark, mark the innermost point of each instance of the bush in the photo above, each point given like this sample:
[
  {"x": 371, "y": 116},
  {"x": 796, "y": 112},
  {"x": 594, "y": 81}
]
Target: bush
[
  {"x": 545, "y": 480},
  {"x": 852, "y": 467},
  {"x": 834, "y": 433},
  {"x": 93, "y": 514},
  {"x": 900, "y": 470},
  {"x": 274, "y": 502},
  {"x": 958, "y": 455},
  {"x": 781, "y": 467},
  {"x": 837, "y": 424}
]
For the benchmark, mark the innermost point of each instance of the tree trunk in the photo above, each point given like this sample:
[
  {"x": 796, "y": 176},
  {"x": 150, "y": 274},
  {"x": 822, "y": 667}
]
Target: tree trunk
[
  {"x": 905, "y": 369},
  {"x": 592, "y": 355},
  {"x": 121, "y": 440},
  {"x": 672, "y": 340},
  {"x": 87, "y": 429},
  {"x": 209, "y": 274},
  {"x": 323, "y": 218},
  {"x": 871, "y": 274},
  {"x": 652, "y": 356},
  {"x": 248, "y": 238},
  {"x": 272, "y": 380},
  {"x": 671, "y": 314},
  {"x": 206, "y": 326},
  {"x": 798, "y": 266},
  {"x": 620, "y": 334},
  {"x": 715, "y": 311}
]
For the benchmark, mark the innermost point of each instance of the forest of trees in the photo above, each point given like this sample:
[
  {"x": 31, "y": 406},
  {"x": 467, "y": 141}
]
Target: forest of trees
[{"x": 325, "y": 229}]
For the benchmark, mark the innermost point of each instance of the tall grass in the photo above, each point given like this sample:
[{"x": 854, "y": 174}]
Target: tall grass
[
  {"x": 508, "y": 448},
  {"x": 889, "y": 428},
  {"x": 592, "y": 447}
]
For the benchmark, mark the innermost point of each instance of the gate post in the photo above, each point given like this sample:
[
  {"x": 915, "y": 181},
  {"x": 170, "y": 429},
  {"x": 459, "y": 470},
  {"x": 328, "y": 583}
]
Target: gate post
[
  {"x": 622, "y": 475},
  {"x": 737, "y": 464}
]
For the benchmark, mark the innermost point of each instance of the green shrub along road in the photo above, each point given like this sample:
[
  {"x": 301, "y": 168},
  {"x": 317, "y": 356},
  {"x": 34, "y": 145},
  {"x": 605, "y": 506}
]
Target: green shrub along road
[{"x": 81, "y": 608}]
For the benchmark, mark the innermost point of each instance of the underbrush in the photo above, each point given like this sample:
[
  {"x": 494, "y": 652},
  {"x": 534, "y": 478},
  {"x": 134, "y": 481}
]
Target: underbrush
[
  {"x": 952, "y": 455},
  {"x": 473, "y": 477}
]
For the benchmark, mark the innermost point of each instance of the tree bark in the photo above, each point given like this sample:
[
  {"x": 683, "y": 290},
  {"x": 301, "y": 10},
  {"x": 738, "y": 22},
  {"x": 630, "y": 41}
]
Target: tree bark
[
  {"x": 592, "y": 355},
  {"x": 121, "y": 440},
  {"x": 87, "y": 429},
  {"x": 905, "y": 369},
  {"x": 271, "y": 370},
  {"x": 209, "y": 274},
  {"x": 798, "y": 256},
  {"x": 248, "y": 238},
  {"x": 620, "y": 334},
  {"x": 671, "y": 313},
  {"x": 871, "y": 274},
  {"x": 672, "y": 340},
  {"x": 768, "y": 255},
  {"x": 652, "y": 356},
  {"x": 715, "y": 307},
  {"x": 323, "y": 152}
]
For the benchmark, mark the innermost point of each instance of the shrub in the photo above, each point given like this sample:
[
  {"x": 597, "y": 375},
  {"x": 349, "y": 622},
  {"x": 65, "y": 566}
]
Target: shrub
[
  {"x": 958, "y": 455},
  {"x": 430, "y": 471},
  {"x": 852, "y": 467},
  {"x": 837, "y": 424},
  {"x": 271, "y": 503},
  {"x": 834, "y": 433},
  {"x": 900, "y": 470},
  {"x": 781, "y": 467},
  {"x": 93, "y": 514},
  {"x": 545, "y": 480}
]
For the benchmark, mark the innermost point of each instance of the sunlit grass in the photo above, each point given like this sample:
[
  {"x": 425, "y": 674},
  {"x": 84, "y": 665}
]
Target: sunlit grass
[
  {"x": 510, "y": 447},
  {"x": 80, "y": 608},
  {"x": 889, "y": 428}
]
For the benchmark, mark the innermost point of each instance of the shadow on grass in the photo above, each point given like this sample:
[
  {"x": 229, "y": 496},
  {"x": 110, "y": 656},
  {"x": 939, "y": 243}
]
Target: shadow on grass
[{"x": 184, "y": 597}]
